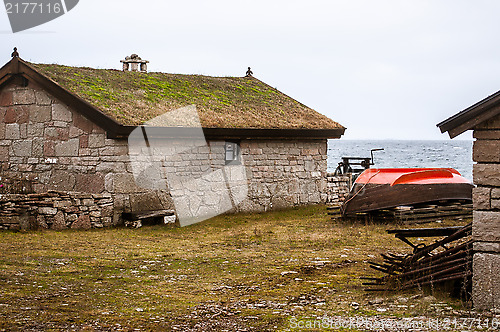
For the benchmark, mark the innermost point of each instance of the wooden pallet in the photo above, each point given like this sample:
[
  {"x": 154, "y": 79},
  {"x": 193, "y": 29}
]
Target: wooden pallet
[{"x": 409, "y": 214}]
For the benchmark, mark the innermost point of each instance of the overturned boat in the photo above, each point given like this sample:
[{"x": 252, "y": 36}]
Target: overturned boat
[{"x": 385, "y": 188}]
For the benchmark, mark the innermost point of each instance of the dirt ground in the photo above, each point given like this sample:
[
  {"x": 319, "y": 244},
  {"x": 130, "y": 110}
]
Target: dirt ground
[{"x": 293, "y": 270}]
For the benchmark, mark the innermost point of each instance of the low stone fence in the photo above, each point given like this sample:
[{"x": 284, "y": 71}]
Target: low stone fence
[
  {"x": 337, "y": 187},
  {"x": 59, "y": 210},
  {"x": 55, "y": 210}
]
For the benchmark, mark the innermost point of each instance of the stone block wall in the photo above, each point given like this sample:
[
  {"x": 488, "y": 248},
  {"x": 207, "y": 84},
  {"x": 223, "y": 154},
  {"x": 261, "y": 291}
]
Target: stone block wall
[
  {"x": 193, "y": 172},
  {"x": 284, "y": 173},
  {"x": 271, "y": 174},
  {"x": 46, "y": 146},
  {"x": 486, "y": 222},
  {"x": 338, "y": 187}
]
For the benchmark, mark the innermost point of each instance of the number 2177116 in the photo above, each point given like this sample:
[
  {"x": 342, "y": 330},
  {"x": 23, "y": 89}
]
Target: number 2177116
[{"x": 33, "y": 7}]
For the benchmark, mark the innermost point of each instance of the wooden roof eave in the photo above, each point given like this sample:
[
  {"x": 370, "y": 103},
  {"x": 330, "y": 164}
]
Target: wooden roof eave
[
  {"x": 8, "y": 71},
  {"x": 471, "y": 116},
  {"x": 287, "y": 134},
  {"x": 239, "y": 133}
]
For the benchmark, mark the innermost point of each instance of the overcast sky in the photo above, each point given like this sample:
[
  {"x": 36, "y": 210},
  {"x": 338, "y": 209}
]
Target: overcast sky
[{"x": 386, "y": 69}]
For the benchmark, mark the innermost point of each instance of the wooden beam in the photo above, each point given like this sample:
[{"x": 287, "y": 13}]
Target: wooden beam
[
  {"x": 471, "y": 116},
  {"x": 471, "y": 123}
]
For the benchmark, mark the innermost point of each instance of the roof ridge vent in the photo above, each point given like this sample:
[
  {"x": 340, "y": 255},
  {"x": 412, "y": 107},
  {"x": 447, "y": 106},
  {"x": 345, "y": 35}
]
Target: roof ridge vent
[{"x": 135, "y": 63}]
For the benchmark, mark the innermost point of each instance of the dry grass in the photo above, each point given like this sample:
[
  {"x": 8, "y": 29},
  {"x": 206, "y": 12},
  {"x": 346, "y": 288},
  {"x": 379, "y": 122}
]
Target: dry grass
[
  {"x": 238, "y": 272},
  {"x": 133, "y": 98}
]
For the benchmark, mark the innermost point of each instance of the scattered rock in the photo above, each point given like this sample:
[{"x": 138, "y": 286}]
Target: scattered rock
[
  {"x": 377, "y": 300},
  {"x": 402, "y": 299},
  {"x": 82, "y": 222},
  {"x": 429, "y": 299},
  {"x": 133, "y": 224},
  {"x": 306, "y": 299},
  {"x": 222, "y": 287}
]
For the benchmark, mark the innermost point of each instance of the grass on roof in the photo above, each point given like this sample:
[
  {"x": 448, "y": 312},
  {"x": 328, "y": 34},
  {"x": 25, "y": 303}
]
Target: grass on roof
[{"x": 133, "y": 98}]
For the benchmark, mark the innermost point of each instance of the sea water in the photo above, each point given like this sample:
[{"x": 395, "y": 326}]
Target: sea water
[{"x": 398, "y": 153}]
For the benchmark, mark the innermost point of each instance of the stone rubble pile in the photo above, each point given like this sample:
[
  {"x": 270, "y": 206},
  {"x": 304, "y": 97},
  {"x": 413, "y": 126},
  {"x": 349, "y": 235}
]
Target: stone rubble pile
[{"x": 55, "y": 210}]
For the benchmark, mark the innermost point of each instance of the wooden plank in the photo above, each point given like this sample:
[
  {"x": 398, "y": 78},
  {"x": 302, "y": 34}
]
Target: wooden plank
[
  {"x": 460, "y": 275},
  {"x": 431, "y": 213},
  {"x": 464, "y": 247},
  {"x": 147, "y": 214},
  {"x": 465, "y": 231},
  {"x": 424, "y": 232},
  {"x": 434, "y": 215},
  {"x": 434, "y": 267}
]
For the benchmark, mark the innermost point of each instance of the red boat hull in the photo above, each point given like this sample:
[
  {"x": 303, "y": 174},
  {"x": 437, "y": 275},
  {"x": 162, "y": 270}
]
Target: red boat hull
[{"x": 377, "y": 189}]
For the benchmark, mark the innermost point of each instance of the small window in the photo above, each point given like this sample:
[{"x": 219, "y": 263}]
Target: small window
[{"x": 232, "y": 153}]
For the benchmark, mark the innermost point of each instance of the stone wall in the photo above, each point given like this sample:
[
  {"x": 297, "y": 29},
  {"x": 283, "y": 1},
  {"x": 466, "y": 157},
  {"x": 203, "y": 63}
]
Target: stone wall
[
  {"x": 50, "y": 147},
  {"x": 284, "y": 173},
  {"x": 486, "y": 224},
  {"x": 269, "y": 175},
  {"x": 193, "y": 172},
  {"x": 338, "y": 187},
  {"x": 45, "y": 146},
  {"x": 55, "y": 210}
]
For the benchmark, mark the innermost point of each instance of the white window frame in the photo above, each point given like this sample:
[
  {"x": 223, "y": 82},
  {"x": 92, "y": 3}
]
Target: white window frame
[{"x": 232, "y": 153}]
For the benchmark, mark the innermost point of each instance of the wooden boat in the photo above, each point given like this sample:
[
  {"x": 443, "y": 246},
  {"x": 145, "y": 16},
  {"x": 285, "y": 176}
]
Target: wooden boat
[{"x": 384, "y": 188}]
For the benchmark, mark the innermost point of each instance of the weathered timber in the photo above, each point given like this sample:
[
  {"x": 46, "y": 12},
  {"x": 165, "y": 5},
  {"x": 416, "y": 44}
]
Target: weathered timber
[
  {"x": 411, "y": 214},
  {"x": 147, "y": 214},
  {"x": 456, "y": 276},
  {"x": 434, "y": 267},
  {"x": 428, "y": 264},
  {"x": 461, "y": 249},
  {"x": 424, "y": 232},
  {"x": 465, "y": 231}
]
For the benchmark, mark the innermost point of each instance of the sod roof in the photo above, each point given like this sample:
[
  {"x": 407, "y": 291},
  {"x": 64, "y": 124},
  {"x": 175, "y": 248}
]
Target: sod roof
[{"x": 133, "y": 98}]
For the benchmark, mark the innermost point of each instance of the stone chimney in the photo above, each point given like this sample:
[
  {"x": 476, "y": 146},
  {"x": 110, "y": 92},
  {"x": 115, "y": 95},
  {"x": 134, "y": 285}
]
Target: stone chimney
[{"x": 135, "y": 63}]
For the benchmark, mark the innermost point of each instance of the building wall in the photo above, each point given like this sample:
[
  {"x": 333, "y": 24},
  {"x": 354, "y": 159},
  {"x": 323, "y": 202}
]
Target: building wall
[
  {"x": 46, "y": 146},
  {"x": 270, "y": 174},
  {"x": 284, "y": 173},
  {"x": 486, "y": 224}
]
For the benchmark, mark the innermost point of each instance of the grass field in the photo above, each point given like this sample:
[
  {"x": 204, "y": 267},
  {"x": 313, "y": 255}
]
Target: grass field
[{"x": 247, "y": 272}]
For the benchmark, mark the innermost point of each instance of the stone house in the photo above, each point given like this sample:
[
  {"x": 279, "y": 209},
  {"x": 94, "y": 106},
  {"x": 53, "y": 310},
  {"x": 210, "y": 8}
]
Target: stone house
[
  {"x": 69, "y": 143},
  {"x": 484, "y": 119}
]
